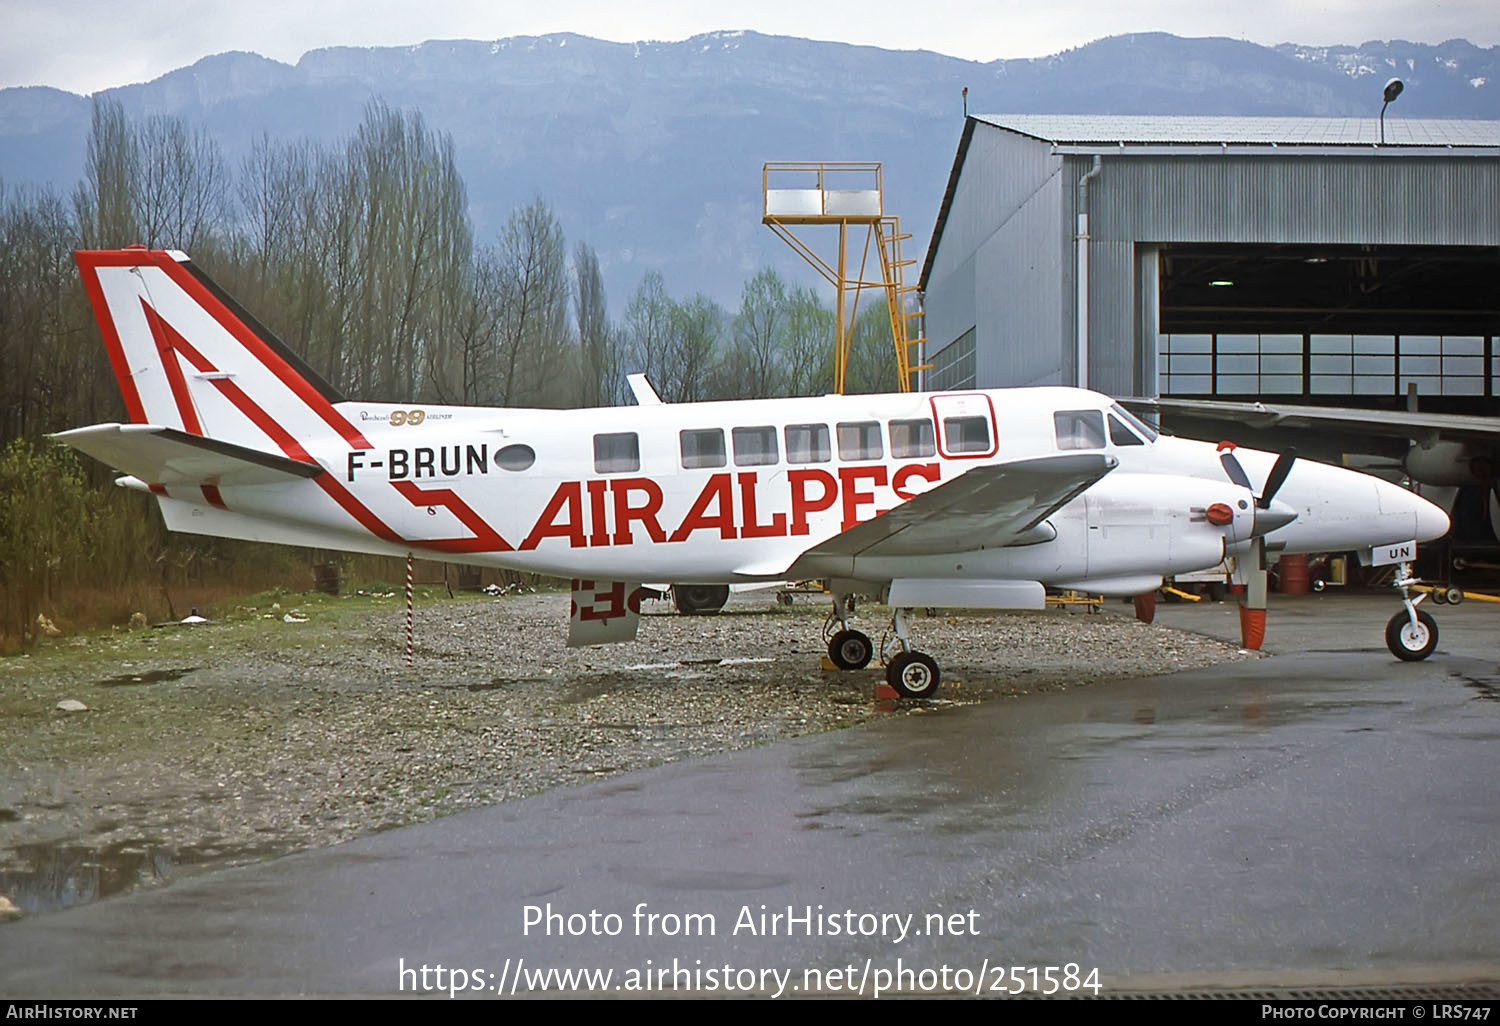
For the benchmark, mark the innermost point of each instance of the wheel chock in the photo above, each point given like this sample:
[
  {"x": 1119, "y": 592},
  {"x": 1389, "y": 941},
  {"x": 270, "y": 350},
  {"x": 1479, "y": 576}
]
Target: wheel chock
[
  {"x": 885, "y": 693},
  {"x": 824, "y": 663}
]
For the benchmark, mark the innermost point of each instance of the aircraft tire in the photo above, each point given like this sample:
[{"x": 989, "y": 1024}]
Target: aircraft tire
[
  {"x": 850, "y": 650},
  {"x": 1454, "y": 596},
  {"x": 914, "y": 675},
  {"x": 1411, "y": 645},
  {"x": 699, "y": 599}
]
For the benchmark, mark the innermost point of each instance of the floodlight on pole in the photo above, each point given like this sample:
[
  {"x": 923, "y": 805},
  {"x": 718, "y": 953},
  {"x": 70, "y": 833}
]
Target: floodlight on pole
[{"x": 1392, "y": 90}]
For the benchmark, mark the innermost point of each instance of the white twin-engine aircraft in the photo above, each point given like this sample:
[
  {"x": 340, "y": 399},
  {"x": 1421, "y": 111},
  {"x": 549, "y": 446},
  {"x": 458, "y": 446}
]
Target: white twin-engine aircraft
[{"x": 979, "y": 499}]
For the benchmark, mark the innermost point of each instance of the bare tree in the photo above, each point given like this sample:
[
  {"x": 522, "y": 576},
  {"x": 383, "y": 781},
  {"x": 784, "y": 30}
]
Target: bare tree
[
  {"x": 105, "y": 202},
  {"x": 183, "y": 198},
  {"x": 758, "y": 335},
  {"x": 534, "y": 340},
  {"x": 601, "y": 375}
]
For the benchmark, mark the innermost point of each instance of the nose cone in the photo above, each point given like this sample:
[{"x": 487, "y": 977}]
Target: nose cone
[
  {"x": 1432, "y": 521},
  {"x": 1429, "y": 521}
]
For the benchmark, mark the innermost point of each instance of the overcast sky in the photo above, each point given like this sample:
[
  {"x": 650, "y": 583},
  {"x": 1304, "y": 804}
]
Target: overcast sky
[{"x": 86, "y": 45}]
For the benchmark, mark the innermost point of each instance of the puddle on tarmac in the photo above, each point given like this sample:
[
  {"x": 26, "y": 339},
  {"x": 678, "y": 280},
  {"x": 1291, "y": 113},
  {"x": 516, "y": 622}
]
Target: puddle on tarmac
[
  {"x": 41, "y": 878},
  {"x": 148, "y": 677}
]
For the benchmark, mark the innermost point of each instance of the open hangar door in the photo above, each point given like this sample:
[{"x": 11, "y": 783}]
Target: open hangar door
[
  {"x": 1335, "y": 325},
  {"x": 1376, "y": 327}
]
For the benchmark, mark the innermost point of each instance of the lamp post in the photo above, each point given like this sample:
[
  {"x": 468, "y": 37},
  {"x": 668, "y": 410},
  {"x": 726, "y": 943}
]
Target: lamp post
[{"x": 1392, "y": 90}]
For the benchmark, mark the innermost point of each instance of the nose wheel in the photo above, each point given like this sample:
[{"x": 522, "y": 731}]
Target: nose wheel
[
  {"x": 1411, "y": 634},
  {"x": 1411, "y": 641}
]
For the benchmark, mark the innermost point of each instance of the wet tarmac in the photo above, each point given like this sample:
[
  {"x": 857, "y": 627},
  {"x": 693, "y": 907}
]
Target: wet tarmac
[{"x": 1326, "y": 817}]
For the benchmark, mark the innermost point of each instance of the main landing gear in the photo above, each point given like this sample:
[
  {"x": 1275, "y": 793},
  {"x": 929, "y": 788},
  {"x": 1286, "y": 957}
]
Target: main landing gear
[
  {"x": 1411, "y": 634},
  {"x": 910, "y": 673}
]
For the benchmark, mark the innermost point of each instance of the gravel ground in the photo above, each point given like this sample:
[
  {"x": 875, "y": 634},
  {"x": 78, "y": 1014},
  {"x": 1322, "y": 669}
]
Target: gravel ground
[{"x": 252, "y": 736}]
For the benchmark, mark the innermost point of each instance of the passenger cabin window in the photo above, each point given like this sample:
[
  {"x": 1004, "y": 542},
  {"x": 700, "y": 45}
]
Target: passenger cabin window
[
  {"x": 617, "y": 454},
  {"x": 1119, "y": 434},
  {"x": 703, "y": 448},
  {"x": 754, "y": 446},
  {"x": 860, "y": 441},
  {"x": 1079, "y": 429},
  {"x": 967, "y": 434},
  {"x": 808, "y": 443},
  {"x": 913, "y": 439}
]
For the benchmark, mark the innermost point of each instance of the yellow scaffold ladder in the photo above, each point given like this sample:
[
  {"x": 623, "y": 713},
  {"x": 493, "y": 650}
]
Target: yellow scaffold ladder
[{"x": 798, "y": 194}]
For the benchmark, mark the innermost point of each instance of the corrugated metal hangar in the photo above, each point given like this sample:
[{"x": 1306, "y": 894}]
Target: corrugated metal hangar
[{"x": 1294, "y": 258}]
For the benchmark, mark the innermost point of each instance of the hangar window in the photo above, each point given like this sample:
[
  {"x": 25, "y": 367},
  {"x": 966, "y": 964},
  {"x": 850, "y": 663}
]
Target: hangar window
[
  {"x": 703, "y": 448},
  {"x": 953, "y": 367},
  {"x": 808, "y": 443},
  {"x": 617, "y": 454},
  {"x": 912, "y": 439},
  {"x": 754, "y": 446},
  {"x": 1079, "y": 429},
  {"x": 860, "y": 441}
]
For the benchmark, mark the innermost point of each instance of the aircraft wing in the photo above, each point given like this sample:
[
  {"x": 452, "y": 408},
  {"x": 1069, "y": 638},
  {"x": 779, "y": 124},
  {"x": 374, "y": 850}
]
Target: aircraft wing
[
  {"x": 167, "y": 456},
  {"x": 989, "y": 506},
  {"x": 1423, "y": 428}
]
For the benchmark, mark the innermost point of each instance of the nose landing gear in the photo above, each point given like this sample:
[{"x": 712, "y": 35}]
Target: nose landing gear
[{"x": 1411, "y": 634}]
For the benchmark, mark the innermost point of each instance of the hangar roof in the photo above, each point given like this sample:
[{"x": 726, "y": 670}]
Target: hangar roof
[
  {"x": 1169, "y": 135},
  {"x": 1094, "y": 131}
]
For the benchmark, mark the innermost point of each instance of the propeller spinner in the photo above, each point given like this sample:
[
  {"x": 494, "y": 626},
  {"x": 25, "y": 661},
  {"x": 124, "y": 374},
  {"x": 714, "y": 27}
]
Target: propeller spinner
[{"x": 1269, "y": 514}]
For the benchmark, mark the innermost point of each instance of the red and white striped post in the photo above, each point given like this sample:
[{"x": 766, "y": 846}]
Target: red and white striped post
[{"x": 408, "y": 610}]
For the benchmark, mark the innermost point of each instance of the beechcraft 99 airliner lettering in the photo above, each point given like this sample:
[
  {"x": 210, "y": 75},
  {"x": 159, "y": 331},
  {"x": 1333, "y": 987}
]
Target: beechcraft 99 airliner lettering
[{"x": 977, "y": 499}]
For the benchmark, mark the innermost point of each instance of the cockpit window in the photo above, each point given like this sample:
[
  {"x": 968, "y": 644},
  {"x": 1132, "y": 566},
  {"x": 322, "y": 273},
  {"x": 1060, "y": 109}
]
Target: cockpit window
[
  {"x": 1119, "y": 434},
  {"x": 1145, "y": 430},
  {"x": 1079, "y": 429}
]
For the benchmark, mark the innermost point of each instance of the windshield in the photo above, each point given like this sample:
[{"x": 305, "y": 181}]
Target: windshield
[{"x": 1146, "y": 430}]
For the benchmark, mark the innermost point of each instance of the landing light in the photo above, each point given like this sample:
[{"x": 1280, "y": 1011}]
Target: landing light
[{"x": 1221, "y": 283}]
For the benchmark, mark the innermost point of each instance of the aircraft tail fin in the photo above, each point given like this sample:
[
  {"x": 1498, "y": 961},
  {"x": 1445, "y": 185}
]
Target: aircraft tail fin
[{"x": 187, "y": 356}]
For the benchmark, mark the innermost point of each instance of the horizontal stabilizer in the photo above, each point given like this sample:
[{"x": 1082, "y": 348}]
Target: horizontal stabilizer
[{"x": 167, "y": 456}]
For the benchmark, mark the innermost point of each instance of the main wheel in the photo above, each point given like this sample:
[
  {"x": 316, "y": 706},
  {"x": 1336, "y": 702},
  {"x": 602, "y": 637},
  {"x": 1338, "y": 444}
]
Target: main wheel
[
  {"x": 1410, "y": 643},
  {"x": 850, "y": 650},
  {"x": 1453, "y": 595},
  {"x": 914, "y": 675},
  {"x": 699, "y": 599}
]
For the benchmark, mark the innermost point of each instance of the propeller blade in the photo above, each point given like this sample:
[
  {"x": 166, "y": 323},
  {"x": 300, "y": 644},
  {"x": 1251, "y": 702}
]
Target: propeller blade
[
  {"x": 1277, "y": 478},
  {"x": 1234, "y": 471}
]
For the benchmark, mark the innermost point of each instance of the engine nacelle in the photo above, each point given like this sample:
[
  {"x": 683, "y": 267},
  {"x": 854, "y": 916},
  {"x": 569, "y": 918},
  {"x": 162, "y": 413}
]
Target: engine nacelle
[
  {"x": 1173, "y": 524},
  {"x": 1451, "y": 464}
]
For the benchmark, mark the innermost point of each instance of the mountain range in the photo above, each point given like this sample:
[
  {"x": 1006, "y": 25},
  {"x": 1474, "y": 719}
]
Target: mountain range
[{"x": 651, "y": 152}]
